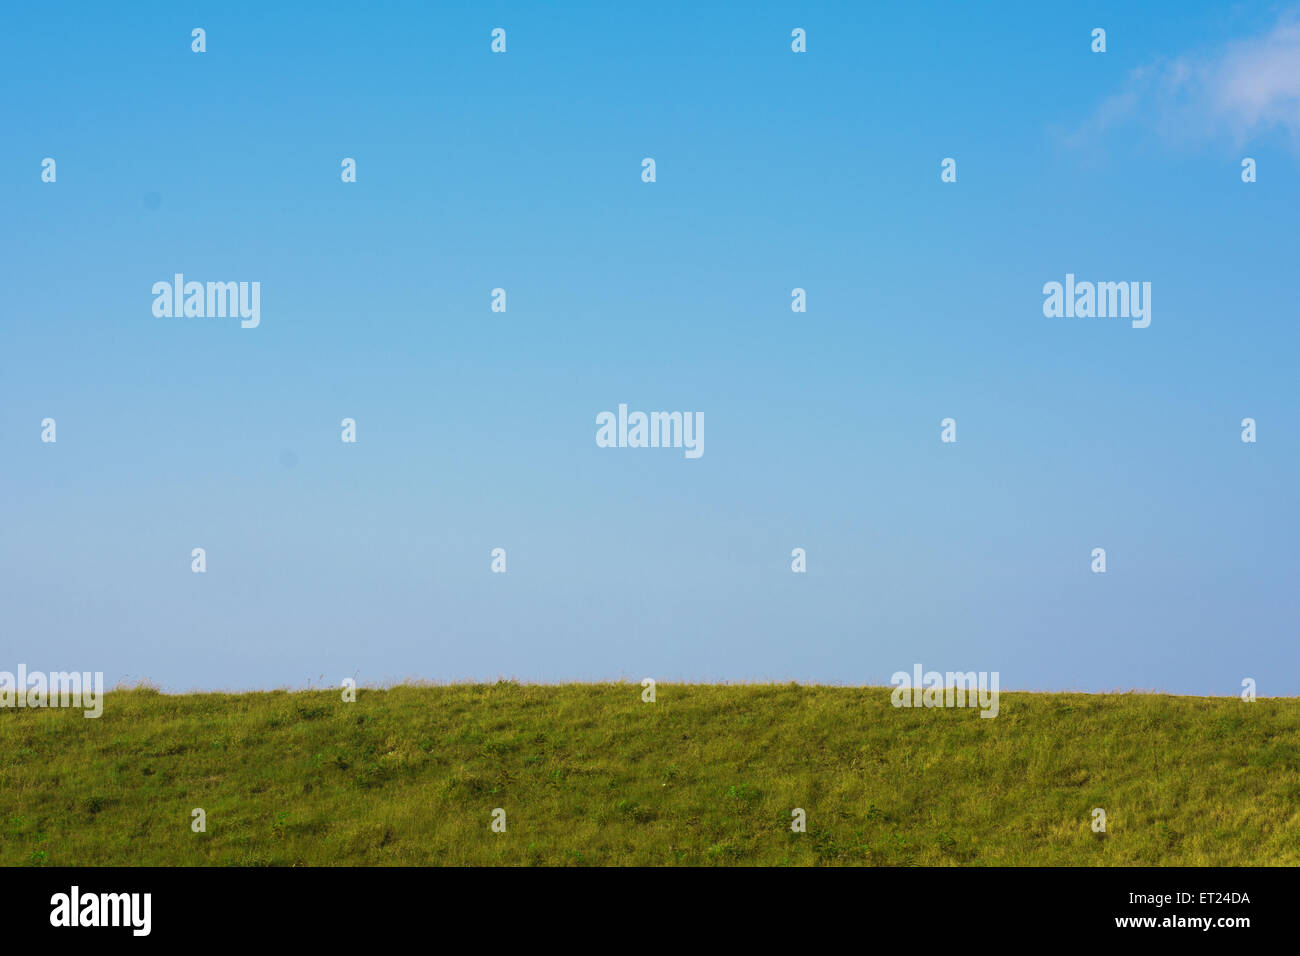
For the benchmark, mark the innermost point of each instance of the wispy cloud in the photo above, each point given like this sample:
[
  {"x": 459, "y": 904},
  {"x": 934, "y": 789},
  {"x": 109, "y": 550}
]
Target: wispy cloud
[{"x": 1247, "y": 88}]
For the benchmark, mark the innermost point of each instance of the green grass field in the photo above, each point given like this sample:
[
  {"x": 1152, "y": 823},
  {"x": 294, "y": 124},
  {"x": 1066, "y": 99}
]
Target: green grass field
[{"x": 588, "y": 774}]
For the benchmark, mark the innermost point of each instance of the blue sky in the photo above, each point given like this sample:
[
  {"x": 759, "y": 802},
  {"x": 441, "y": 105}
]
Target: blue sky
[{"x": 476, "y": 429}]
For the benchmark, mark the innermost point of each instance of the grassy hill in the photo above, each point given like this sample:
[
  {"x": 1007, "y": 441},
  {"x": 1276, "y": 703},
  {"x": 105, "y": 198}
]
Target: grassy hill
[{"x": 708, "y": 774}]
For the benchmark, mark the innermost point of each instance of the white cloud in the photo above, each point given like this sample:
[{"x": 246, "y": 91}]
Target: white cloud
[
  {"x": 1257, "y": 83},
  {"x": 1249, "y": 87}
]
